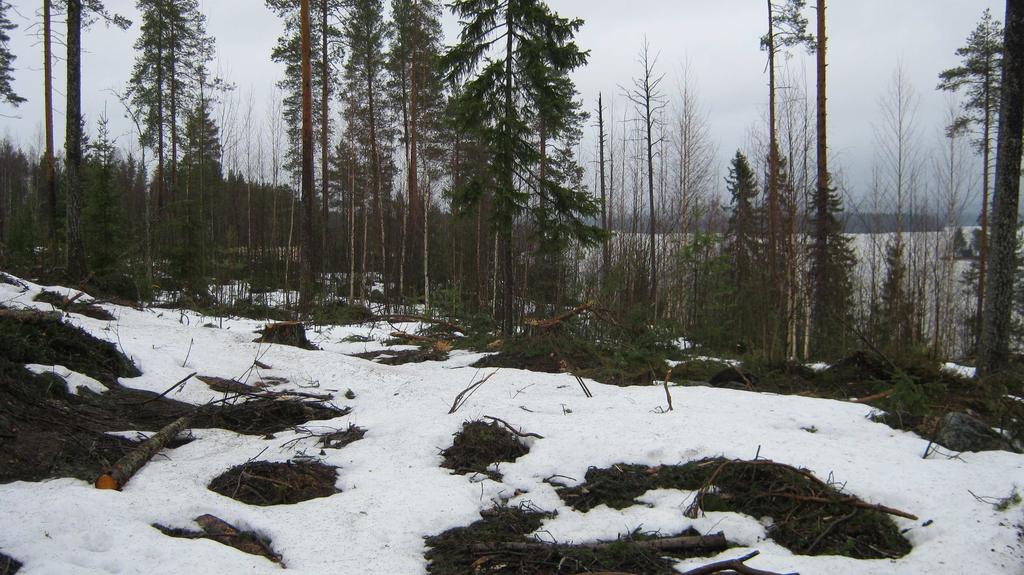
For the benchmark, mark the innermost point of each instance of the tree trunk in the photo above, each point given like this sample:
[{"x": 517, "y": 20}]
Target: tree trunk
[
  {"x": 508, "y": 220},
  {"x": 820, "y": 277},
  {"x": 76, "y": 265},
  {"x": 994, "y": 351},
  {"x": 605, "y": 247},
  {"x": 306, "y": 282},
  {"x": 985, "y": 179},
  {"x": 650, "y": 191},
  {"x": 51, "y": 180},
  {"x": 324, "y": 129}
]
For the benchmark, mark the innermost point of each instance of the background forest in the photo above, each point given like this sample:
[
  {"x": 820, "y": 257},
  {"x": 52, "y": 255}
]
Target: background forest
[{"x": 466, "y": 178}]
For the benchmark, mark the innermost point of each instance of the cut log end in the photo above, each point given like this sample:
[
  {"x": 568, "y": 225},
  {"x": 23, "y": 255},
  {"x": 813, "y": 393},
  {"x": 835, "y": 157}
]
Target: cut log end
[{"x": 107, "y": 481}]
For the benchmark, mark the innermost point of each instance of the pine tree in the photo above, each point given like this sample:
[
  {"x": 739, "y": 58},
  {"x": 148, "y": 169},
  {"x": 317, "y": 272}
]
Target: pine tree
[
  {"x": 994, "y": 349},
  {"x": 325, "y": 48},
  {"x": 979, "y": 76},
  {"x": 7, "y": 58},
  {"x": 787, "y": 28},
  {"x": 418, "y": 91},
  {"x": 520, "y": 54},
  {"x": 369, "y": 123},
  {"x": 173, "y": 53}
]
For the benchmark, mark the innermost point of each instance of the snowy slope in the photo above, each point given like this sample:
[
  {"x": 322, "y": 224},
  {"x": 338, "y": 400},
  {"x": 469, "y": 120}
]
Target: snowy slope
[{"x": 394, "y": 492}]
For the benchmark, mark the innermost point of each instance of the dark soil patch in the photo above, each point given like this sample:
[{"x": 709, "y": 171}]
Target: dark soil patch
[
  {"x": 224, "y": 533},
  {"x": 29, "y": 337},
  {"x": 339, "y": 439},
  {"x": 809, "y": 517},
  {"x": 389, "y": 357},
  {"x": 62, "y": 303},
  {"x": 291, "y": 333},
  {"x": 265, "y": 483},
  {"x": 8, "y": 565},
  {"x": 480, "y": 445},
  {"x": 457, "y": 551}
]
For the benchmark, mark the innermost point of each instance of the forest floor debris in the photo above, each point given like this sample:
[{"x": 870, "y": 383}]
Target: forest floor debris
[
  {"x": 73, "y": 305},
  {"x": 808, "y": 515},
  {"x": 266, "y": 483},
  {"x": 480, "y": 445},
  {"x": 8, "y": 565},
  {"x": 503, "y": 542},
  {"x": 216, "y": 529}
]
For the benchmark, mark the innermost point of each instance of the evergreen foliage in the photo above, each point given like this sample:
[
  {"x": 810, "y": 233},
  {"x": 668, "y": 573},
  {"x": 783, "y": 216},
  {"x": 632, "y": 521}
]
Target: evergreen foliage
[
  {"x": 7, "y": 58},
  {"x": 520, "y": 54}
]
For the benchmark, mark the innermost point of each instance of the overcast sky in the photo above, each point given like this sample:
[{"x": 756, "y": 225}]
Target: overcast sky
[{"x": 719, "y": 39}]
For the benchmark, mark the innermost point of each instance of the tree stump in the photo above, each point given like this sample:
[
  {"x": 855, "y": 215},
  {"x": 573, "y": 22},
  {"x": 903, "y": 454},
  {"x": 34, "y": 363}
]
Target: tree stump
[{"x": 291, "y": 333}]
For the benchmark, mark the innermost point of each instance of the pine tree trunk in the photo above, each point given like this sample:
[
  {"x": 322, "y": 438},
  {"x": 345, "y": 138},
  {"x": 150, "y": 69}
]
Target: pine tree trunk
[
  {"x": 821, "y": 208},
  {"x": 306, "y": 283},
  {"x": 605, "y": 247},
  {"x": 994, "y": 351},
  {"x": 324, "y": 129},
  {"x": 985, "y": 180},
  {"x": 76, "y": 266},
  {"x": 51, "y": 179}
]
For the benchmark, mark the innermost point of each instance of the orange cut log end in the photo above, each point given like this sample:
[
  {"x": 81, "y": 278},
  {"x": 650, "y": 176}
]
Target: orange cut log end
[{"x": 105, "y": 481}]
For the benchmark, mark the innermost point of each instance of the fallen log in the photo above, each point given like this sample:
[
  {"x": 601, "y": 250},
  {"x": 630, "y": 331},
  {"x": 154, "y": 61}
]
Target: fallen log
[
  {"x": 558, "y": 319},
  {"x": 413, "y": 337},
  {"x": 227, "y": 534},
  {"x": 736, "y": 565},
  {"x": 713, "y": 542},
  {"x": 873, "y": 397},
  {"x": 216, "y": 529},
  {"x": 403, "y": 318},
  {"x": 122, "y": 471}
]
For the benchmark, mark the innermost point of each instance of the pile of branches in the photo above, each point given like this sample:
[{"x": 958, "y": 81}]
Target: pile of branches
[{"x": 810, "y": 516}]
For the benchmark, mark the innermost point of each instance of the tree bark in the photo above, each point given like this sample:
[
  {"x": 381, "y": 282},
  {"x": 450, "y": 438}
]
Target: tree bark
[
  {"x": 821, "y": 196},
  {"x": 324, "y": 129},
  {"x": 605, "y": 247},
  {"x": 994, "y": 351},
  {"x": 51, "y": 180},
  {"x": 118, "y": 475},
  {"x": 306, "y": 282},
  {"x": 76, "y": 265}
]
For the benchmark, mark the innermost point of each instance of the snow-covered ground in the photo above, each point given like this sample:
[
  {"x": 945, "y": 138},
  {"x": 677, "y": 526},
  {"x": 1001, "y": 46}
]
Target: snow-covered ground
[{"x": 394, "y": 493}]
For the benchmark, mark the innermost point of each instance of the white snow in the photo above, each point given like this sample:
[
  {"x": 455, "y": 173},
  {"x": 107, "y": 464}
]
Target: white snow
[
  {"x": 961, "y": 370},
  {"x": 73, "y": 379},
  {"x": 394, "y": 493}
]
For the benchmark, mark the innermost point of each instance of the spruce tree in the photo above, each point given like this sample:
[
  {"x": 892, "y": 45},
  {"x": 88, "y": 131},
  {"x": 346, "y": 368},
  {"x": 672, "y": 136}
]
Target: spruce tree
[
  {"x": 7, "y": 58},
  {"x": 519, "y": 55},
  {"x": 103, "y": 220},
  {"x": 743, "y": 250},
  {"x": 832, "y": 270}
]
